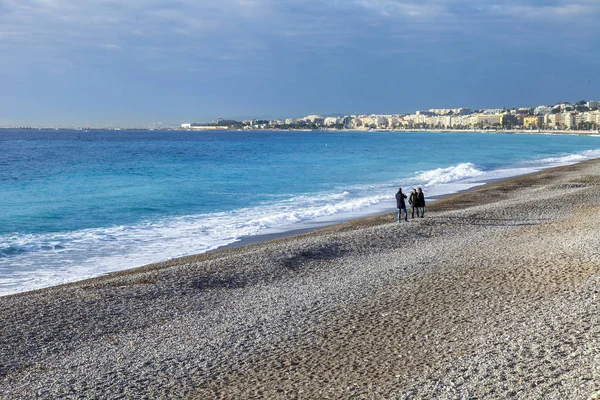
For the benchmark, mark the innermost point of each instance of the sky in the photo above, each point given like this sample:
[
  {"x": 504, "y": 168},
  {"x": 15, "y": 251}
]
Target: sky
[{"x": 152, "y": 62}]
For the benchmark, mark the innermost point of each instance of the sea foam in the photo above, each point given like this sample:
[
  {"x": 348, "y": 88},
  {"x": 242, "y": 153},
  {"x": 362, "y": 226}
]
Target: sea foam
[{"x": 450, "y": 174}]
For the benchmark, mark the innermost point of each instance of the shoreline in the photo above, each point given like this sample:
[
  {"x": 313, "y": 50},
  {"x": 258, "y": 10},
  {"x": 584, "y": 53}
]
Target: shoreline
[
  {"x": 417, "y": 130},
  {"x": 490, "y": 296},
  {"x": 507, "y": 131},
  {"x": 267, "y": 237}
]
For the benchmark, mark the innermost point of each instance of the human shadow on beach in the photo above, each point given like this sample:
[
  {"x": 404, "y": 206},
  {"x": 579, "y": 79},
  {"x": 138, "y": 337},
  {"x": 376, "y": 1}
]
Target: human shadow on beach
[{"x": 295, "y": 261}]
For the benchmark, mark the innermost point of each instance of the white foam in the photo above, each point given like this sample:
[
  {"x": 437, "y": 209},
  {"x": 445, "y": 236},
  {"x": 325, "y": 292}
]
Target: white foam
[
  {"x": 450, "y": 174},
  {"x": 568, "y": 158}
]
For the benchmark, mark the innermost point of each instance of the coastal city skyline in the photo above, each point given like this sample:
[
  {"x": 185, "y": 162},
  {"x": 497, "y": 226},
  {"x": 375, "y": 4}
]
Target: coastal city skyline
[
  {"x": 160, "y": 63},
  {"x": 581, "y": 115}
]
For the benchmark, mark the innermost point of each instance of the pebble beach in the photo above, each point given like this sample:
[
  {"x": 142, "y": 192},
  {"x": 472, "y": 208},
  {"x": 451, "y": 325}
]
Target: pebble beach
[{"x": 493, "y": 295}]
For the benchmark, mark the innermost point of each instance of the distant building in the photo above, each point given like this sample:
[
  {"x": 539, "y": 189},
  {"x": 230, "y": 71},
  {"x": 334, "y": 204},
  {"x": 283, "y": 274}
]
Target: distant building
[
  {"x": 510, "y": 120},
  {"x": 425, "y": 113},
  {"x": 552, "y": 120},
  {"x": 493, "y": 111},
  {"x": 542, "y": 110},
  {"x": 186, "y": 126},
  {"x": 315, "y": 119},
  {"x": 592, "y": 105},
  {"x": 488, "y": 120},
  {"x": 449, "y": 111},
  {"x": 535, "y": 121},
  {"x": 330, "y": 121},
  {"x": 569, "y": 120}
]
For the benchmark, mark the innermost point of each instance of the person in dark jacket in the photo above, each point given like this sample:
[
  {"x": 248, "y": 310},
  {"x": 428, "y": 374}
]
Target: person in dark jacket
[
  {"x": 401, "y": 205},
  {"x": 413, "y": 200},
  {"x": 421, "y": 202}
]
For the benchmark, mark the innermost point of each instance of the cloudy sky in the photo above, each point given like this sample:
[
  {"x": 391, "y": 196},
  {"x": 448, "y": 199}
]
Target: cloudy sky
[{"x": 137, "y": 62}]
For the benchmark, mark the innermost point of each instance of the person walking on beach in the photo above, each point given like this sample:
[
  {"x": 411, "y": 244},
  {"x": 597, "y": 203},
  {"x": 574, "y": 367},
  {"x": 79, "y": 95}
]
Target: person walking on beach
[
  {"x": 413, "y": 200},
  {"x": 401, "y": 205},
  {"x": 420, "y": 202}
]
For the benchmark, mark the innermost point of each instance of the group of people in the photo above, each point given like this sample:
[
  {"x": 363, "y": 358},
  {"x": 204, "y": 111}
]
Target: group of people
[{"x": 416, "y": 201}]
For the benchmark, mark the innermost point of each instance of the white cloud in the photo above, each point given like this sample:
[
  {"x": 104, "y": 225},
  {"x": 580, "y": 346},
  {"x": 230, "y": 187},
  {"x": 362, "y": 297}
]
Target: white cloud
[
  {"x": 110, "y": 46},
  {"x": 391, "y": 8},
  {"x": 562, "y": 12}
]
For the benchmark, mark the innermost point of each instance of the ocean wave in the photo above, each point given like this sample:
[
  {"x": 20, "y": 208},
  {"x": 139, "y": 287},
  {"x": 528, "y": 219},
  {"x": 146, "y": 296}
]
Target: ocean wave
[
  {"x": 448, "y": 175},
  {"x": 568, "y": 158}
]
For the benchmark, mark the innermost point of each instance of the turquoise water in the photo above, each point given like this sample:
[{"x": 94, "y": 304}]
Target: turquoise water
[{"x": 76, "y": 204}]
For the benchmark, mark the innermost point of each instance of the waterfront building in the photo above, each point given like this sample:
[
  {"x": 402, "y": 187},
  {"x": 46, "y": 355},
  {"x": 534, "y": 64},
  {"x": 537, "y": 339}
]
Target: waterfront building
[
  {"x": 356, "y": 122},
  {"x": 315, "y": 119},
  {"x": 511, "y": 120},
  {"x": 445, "y": 121},
  {"x": 394, "y": 121},
  {"x": 459, "y": 121},
  {"x": 552, "y": 120},
  {"x": 535, "y": 121},
  {"x": 486, "y": 120},
  {"x": 330, "y": 121},
  {"x": 569, "y": 120}
]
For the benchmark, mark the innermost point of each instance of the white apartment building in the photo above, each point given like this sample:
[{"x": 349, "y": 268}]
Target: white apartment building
[
  {"x": 493, "y": 111},
  {"x": 568, "y": 120},
  {"x": 542, "y": 110},
  {"x": 313, "y": 118},
  {"x": 461, "y": 120},
  {"x": 330, "y": 121},
  {"x": 446, "y": 111}
]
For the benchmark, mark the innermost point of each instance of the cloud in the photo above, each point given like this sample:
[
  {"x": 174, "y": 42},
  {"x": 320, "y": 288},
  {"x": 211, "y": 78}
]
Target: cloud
[
  {"x": 110, "y": 46},
  {"x": 391, "y": 8},
  {"x": 189, "y": 32},
  {"x": 563, "y": 12}
]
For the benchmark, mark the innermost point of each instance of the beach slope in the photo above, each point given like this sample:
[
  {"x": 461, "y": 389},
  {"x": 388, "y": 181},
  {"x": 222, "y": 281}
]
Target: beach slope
[{"x": 494, "y": 294}]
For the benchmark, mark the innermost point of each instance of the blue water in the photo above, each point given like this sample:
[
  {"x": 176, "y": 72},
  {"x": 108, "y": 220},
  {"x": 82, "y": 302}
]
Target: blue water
[{"x": 76, "y": 204}]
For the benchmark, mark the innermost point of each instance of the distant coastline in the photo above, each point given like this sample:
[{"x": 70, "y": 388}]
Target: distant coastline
[
  {"x": 568, "y": 116},
  {"x": 440, "y": 130},
  {"x": 520, "y": 131},
  {"x": 409, "y": 130}
]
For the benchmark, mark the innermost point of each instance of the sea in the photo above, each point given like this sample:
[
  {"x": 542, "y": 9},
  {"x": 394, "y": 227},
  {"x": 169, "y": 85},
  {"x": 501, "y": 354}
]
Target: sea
[{"x": 78, "y": 204}]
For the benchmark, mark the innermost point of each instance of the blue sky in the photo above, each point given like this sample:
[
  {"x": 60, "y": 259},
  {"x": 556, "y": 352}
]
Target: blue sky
[{"x": 134, "y": 62}]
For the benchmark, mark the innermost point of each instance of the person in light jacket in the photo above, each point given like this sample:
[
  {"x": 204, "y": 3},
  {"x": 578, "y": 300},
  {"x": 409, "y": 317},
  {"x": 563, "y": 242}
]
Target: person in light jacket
[{"x": 401, "y": 205}]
